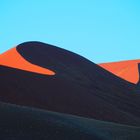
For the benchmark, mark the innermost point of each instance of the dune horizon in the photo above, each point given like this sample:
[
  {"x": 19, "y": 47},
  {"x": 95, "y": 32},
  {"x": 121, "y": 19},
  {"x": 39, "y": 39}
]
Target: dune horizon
[{"x": 122, "y": 69}]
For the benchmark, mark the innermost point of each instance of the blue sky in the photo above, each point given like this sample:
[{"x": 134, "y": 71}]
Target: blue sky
[{"x": 100, "y": 30}]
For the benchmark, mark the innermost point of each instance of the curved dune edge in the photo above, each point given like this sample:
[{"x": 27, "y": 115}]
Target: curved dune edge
[
  {"x": 13, "y": 59},
  {"x": 127, "y": 70}
]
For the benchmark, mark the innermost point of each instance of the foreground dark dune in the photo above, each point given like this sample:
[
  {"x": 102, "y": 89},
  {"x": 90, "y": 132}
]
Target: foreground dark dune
[
  {"x": 24, "y": 123},
  {"x": 79, "y": 87}
]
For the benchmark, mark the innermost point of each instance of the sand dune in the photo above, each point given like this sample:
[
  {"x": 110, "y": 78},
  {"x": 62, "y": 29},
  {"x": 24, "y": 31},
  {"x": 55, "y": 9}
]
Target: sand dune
[
  {"x": 127, "y": 70},
  {"x": 42, "y": 76}
]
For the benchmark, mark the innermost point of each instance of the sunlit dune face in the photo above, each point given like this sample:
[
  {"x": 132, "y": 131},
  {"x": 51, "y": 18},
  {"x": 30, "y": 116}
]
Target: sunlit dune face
[
  {"x": 13, "y": 59},
  {"x": 127, "y": 70}
]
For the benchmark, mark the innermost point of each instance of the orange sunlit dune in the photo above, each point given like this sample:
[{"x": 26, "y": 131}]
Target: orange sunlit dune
[
  {"x": 13, "y": 59},
  {"x": 127, "y": 70}
]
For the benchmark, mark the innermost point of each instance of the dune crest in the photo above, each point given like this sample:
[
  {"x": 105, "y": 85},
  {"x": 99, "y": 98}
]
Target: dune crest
[{"x": 13, "y": 59}]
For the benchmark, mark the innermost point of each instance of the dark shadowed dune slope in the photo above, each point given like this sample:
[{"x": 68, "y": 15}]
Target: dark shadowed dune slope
[{"x": 79, "y": 86}]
